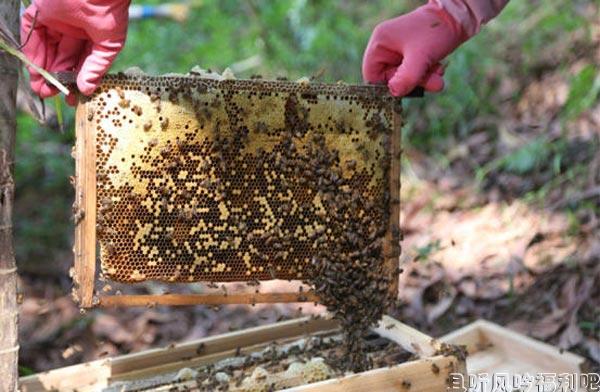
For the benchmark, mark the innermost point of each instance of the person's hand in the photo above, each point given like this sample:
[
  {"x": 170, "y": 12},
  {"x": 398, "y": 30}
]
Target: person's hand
[
  {"x": 405, "y": 52},
  {"x": 83, "y": 36}
]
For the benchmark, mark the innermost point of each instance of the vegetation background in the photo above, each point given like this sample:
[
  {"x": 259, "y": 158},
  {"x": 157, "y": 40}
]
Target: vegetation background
[{"x": 508, "y": 156}]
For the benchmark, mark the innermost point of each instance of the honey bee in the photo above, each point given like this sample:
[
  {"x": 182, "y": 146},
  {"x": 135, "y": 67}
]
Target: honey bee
[
  {"x": 78, "y": 216},
  {"x": 110, "y": 249},
  {"x": 185, "y": 214},
  {"x": 261, "y": 127},
  {"x": 120, "y": 92},
  {"x": 164, "y": 124},
  {"x": 137, "y": 110},
  {"x": 165, "y": 151}
]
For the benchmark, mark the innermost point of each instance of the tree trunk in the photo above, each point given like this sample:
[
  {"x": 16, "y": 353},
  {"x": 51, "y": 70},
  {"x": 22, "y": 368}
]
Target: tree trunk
[{"x": 9, "y": 13}]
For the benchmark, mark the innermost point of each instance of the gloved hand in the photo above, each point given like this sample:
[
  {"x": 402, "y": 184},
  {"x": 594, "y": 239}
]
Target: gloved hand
[
  {"x": 83, "y": 36},
  {"x": 406, "y": 51}
]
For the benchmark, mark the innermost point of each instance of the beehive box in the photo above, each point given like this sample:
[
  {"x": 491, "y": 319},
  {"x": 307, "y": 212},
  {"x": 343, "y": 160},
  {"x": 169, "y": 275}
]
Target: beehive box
[
  {"x": 186, "y": 180},
  {"x": 497, "y": 350},
  {"x": 433, "y": 368}
]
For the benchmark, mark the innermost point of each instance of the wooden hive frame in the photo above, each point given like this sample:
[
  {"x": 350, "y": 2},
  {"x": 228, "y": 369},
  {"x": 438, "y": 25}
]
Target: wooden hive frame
[
  {"x": 85, "y": 272},
  {"x": 431, "y": 371},
  {"x": 496, "y": 349}
]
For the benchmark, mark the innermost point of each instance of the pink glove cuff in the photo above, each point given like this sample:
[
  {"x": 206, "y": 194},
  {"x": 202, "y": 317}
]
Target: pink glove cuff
[
  {"x": 459, "y": 35},
  {"x": 471, "y": 15}
]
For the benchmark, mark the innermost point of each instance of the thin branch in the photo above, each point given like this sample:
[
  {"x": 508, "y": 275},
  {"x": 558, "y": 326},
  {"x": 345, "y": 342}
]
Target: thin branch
[
  {"x": 59, "y": 113},
  {"x": 7, "y": 271},
  {"x": 51, "y": 79},
  {"x": 30, "y": 30},
  {"x": 576, "y": 198},
  {"x": 10, "y": 350}
]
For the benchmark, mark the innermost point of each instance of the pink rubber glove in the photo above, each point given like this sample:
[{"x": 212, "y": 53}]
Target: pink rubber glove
[
  {"x": 406, "y": 51},
  {"x": 83, "y": 36}
]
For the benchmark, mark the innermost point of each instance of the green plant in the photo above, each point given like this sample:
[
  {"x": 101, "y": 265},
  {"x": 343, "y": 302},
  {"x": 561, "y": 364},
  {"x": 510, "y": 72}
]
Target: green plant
[
  {"x": 424, "y": 252},
  {"x": 584, "y": 91}
]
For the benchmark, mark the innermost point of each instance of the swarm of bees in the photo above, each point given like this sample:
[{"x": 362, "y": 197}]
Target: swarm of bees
[{"x": 348, "y": 271}]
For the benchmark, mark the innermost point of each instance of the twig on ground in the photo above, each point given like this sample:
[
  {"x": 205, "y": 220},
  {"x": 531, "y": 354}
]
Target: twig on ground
[{"x": 580, "y": 196}]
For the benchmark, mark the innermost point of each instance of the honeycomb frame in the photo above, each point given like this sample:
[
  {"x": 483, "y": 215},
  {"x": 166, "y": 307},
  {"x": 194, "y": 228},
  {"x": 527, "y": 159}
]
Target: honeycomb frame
[{"x": 360, "y": 124}]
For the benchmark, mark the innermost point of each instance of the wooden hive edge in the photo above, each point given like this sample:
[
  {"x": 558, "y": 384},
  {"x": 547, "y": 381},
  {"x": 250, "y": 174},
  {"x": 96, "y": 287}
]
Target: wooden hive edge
[
  {"x": 391, "y": 247},
  {"x": 91, "y": 376},
  {"x": 94, "y": 375},
  {"x": 378, "y": 91},
  {"x": 85, "y": 209},
  {"x": 439, "y": 373},
  {"x": 482, "y": 335},
  {"x": 205, "y": 299}
]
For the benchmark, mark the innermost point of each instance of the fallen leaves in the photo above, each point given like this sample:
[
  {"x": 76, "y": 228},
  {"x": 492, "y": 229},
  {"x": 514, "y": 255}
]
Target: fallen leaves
[
  {"x": 593, "y": 348},
  {"x": 576, "y": 292},
  {"x": 506, "y": 262},
  {"x": 437, "y": 309},
  {"x": 571, "y": 336},
  {"x": 562, "y": 293},
  {"x": 108, "y": 326},
  {"x": 542, "y": 329}
]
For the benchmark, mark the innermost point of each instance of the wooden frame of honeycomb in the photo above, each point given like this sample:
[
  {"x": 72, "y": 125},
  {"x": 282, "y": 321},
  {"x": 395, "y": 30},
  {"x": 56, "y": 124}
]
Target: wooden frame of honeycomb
[{"x": 185, "y": 179}]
